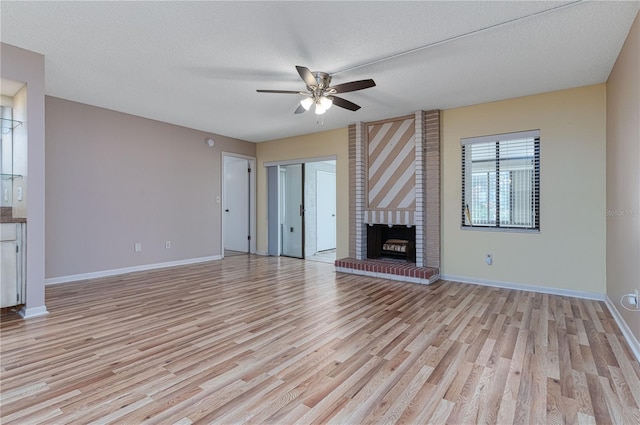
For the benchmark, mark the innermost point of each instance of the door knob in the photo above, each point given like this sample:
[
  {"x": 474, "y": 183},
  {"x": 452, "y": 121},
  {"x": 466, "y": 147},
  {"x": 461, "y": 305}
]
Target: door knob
[{"x": 226, "y": 210}]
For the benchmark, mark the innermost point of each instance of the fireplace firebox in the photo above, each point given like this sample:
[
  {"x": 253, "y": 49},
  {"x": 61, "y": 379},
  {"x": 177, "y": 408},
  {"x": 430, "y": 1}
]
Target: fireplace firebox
[{"x": 391, "y": 241}]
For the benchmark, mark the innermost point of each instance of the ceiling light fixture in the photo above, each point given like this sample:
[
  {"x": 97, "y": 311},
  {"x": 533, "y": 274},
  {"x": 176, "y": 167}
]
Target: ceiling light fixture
[
  {"x": 320, "y": 92},
  {"x": 306, "y": 103},
  {"x": 326, "y": 102},
  {"x": 322, "y": 104}
]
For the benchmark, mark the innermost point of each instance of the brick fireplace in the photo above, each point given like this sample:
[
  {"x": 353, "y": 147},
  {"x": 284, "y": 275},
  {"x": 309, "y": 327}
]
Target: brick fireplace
[{"x": 394, "y": 181}]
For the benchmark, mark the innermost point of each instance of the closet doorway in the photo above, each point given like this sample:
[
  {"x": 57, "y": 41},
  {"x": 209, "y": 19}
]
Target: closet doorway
[{"x": 302, "y": 199}]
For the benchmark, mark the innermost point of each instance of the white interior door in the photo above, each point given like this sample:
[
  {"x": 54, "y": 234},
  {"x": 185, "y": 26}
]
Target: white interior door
[
  {"x": 326, "y": 205},
  {"x": 236, "y": 204}
]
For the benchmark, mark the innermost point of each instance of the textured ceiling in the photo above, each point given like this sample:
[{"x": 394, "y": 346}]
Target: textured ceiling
[{"x": 198, "y": 64}]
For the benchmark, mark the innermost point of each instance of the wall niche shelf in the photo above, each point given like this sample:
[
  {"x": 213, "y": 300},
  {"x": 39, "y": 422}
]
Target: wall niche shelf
[
  {"x": 10, "y": 176},
  {"x": 8, "y": 125},
  {"x": 12, "y": 168}
]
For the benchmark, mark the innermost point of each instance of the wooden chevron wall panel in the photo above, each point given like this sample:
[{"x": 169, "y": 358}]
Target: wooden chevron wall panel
[{"x": 391, "y": 182}]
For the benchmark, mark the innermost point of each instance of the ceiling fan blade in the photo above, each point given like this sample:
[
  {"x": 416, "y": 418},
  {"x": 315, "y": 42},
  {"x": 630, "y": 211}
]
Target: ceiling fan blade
[
  {"x": 307, "y": 76},
  {"x": 300, "y": 110},
  {"x": 353, "y": 86},
  {"x": 281, "y": 91},
  {"x": 343, "y": 103}
]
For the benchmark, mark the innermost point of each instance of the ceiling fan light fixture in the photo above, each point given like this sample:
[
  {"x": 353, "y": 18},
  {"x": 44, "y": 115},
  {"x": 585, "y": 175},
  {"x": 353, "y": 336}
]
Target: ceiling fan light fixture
[
  {"x": 319, "y": 92},
  {"x": 326, "y": 102},
  {"x": 306, "y": 103},
  {"x": 322, "y": 104}
]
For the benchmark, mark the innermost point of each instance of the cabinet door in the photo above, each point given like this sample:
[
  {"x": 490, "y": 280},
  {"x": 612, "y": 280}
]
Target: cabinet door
[
  {"x": 9, "y": 274},
  {"x": 8, "y": 264}
]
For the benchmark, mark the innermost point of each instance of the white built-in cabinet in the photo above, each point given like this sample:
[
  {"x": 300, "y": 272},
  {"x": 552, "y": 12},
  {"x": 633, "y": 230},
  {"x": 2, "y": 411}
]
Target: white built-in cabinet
[{"x": 12, "y": 264}]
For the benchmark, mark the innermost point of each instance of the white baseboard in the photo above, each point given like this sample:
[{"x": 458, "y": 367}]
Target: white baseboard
[
  {"x": 524, "y": 287},
  {"x": 624, "y": 327},
  {"x": 262, "y": 253},
  {"x": 114, "y": 272},
  {"x": 29, "y": 312}
]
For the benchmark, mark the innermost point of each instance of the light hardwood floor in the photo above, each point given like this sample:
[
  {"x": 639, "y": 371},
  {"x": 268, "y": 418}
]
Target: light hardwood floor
[{"x": 276, "y": 340}]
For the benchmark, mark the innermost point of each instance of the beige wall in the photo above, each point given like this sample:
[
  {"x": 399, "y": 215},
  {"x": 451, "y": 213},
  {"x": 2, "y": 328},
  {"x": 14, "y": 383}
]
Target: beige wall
[
  {"x": 28, "y": 67},
  {"x": 623, "y": 176},
  {"x": 569, "y": 251},
  {"x": 327, "y": 143},
  {"x": 115, "y": 179}
]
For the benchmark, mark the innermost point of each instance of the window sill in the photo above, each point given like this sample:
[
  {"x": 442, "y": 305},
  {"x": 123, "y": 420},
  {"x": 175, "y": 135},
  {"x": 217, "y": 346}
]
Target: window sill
[{"x": 498, "y": 229}]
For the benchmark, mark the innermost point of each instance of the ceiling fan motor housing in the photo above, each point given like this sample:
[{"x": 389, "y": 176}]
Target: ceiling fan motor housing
[
  {"x": 322, "y": 89},
  {"x": 322, "y": 78}
]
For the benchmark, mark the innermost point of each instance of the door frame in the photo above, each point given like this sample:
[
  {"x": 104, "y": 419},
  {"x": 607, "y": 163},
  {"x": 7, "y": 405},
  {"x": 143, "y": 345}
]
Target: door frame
[
  {"x": 270, "y": 236},
  {"x": 252, "y": 200}
]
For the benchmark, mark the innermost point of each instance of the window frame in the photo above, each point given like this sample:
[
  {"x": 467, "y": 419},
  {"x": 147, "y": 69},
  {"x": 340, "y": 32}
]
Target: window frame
[{"x": 467, "y": 177}]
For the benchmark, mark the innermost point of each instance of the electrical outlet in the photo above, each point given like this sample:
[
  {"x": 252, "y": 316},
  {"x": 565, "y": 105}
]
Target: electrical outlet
[
  {"x": 489, "y": 259},
  {"x": 137, "y": 247},
  {"x": 167, "y": 244}
]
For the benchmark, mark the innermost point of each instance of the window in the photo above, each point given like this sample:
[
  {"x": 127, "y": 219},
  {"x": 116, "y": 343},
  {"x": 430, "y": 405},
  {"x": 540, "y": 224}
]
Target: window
[{"x": 501, "y": 181}]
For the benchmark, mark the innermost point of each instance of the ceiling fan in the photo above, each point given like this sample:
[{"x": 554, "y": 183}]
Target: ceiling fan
[{"x": 321, "y": 94}]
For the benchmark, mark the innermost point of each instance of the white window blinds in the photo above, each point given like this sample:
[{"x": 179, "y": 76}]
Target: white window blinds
[{"x": 501, "y": 181}]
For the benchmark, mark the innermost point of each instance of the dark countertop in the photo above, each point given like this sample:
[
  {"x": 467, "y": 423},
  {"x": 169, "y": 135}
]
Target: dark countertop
[{"x": 6, "y": 216}]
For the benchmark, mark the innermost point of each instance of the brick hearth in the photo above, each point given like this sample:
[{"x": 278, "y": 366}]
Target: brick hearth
[{"x": 388, "y": 269}]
